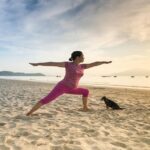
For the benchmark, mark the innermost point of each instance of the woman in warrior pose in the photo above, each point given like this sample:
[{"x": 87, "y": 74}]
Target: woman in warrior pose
[{"x": 69, "y": 85}]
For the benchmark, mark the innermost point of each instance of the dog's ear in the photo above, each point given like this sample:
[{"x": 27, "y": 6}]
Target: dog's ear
[{"x": 103, "y": 98}]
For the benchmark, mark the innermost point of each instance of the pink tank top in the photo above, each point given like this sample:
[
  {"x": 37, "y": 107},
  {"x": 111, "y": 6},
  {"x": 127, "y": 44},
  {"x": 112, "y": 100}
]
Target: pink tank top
[{"x": 73, "y": 74}]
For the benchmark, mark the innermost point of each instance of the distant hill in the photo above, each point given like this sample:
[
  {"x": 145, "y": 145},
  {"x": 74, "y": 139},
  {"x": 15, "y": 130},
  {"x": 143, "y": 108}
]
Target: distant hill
[
  {"x": 134, "y": 72},
  {"x": 9, "y": 73}
]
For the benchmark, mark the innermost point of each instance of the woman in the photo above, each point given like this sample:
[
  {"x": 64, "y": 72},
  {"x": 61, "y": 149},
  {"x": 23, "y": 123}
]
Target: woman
[{"x": 74, "y": 71}]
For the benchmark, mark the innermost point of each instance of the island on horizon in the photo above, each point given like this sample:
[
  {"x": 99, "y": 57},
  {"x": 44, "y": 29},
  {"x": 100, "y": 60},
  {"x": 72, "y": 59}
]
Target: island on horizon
[{"x": 10, "y": 73}]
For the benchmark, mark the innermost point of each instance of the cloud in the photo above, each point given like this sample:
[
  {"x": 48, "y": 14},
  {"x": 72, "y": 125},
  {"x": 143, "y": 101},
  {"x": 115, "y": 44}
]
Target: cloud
[
  {"x": 125, "y": 20},
  {"x": 57, "y": 23},
  {"x": 53, "y": 29}
]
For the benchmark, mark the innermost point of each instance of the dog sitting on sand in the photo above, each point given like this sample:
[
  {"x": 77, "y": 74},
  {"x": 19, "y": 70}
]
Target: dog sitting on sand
[{"x": 110, "y": 103}]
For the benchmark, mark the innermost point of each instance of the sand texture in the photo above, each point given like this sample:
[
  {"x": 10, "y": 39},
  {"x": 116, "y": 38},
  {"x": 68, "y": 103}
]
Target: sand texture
[{"x": 61, "y": 125}]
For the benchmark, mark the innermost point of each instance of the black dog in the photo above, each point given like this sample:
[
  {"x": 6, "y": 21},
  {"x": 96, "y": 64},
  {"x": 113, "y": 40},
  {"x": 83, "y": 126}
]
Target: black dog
[{"x": 110, "y": 103}]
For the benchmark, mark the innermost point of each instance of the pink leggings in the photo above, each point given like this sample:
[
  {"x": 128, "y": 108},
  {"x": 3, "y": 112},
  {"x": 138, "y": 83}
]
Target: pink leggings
[{"x": 60, "y": 89}]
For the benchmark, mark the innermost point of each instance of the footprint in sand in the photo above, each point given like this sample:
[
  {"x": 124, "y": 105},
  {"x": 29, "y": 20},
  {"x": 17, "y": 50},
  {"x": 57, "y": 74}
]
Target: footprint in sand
[
  {"x": 95, "y": 148},
  {"x": 56, "y": 147},
  {"x": 32, "y": 138},
  {"x": 25, "y": 133},
  {"x": 9, "y": 140},
  {"x": 145, "y": 140},
  {"x": 106, "y": 133},
  {"x": 42, "y": 141},
  {"x": 16, "y": 147},
  {"x": 10, "y": 125},
  {"x": 147, "y": 127},
  {"x": 119, "y": 144},
  {"x": 74, "y": 142},
  {"x": 44, "y": 115},
  {"x": 2, "y": 123},
  {"x": 11, "y": 143},
  {"x": 92, "y": 132},
  {"x": 58, "y": 142},
  {"x": 21, "y": 117},
  {"x": 3, "y": 147},
  {"x": 71, "y": 147}
]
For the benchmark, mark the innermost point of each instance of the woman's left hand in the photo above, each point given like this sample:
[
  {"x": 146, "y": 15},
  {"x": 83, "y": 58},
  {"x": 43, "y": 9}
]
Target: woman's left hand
[{"x": 108, "y": 62}]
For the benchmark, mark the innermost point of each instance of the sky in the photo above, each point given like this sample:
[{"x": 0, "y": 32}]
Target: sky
[{"x": 50, "y": 30}]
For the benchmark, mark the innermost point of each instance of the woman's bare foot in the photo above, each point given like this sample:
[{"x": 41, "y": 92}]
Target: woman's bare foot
[
  {"x": 35, "y": 107},
  {"x": 28, "y": 114},
  {"x": 84, "y": 109}
]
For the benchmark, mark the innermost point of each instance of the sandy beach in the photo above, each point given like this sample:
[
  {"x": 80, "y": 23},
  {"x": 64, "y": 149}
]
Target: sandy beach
[{"x": 61, "y": 125}]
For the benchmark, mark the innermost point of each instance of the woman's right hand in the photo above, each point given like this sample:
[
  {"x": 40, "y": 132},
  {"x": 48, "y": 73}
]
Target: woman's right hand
[{"x": 34, "y": 64}]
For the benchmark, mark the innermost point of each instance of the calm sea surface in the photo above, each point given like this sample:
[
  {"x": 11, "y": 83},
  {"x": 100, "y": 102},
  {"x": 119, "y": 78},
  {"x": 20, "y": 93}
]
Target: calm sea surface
[{"x": 99, "y": 81}]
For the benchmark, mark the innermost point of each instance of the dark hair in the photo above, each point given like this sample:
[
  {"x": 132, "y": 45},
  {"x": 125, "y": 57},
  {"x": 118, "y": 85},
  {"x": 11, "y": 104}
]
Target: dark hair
[{"x": 74, "y": 55}]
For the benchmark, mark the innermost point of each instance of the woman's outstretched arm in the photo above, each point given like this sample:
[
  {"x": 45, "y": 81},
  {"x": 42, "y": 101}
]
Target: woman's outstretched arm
[
  {"x": 57, "y": 64},
  {"x": 97, "y": 63}
]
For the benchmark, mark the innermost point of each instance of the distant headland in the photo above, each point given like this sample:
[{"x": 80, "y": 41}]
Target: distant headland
[{"x": 10, "y": 73}]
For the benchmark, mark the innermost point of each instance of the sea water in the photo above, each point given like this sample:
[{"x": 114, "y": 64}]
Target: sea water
[{"x": 135, "y": 82}]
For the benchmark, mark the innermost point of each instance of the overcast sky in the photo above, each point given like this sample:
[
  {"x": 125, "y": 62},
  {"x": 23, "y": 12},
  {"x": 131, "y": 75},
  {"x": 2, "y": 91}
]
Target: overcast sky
[{"x": 50, "y": 30}]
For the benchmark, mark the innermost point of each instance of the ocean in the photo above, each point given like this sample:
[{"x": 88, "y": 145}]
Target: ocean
[{"x": 136, "y": 82}]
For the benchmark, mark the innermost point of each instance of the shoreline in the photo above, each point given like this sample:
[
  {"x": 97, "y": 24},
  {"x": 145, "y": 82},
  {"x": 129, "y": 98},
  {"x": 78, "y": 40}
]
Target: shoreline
[{"x": 87, "y": 85}]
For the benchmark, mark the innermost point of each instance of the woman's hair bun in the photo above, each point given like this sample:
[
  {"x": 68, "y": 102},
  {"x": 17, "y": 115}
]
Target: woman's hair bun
[
  {"x": 70, "y": 59},
  {"x": 74, "y": 55}
]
